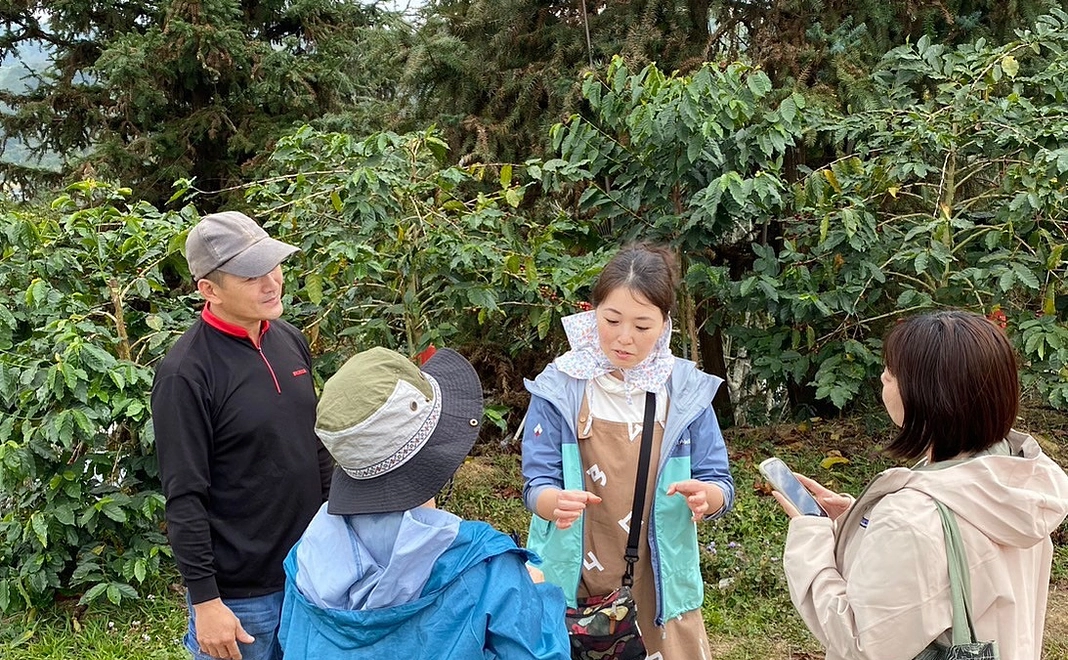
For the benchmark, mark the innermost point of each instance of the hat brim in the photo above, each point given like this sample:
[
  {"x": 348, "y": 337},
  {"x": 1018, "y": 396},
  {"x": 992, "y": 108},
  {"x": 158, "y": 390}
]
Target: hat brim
[
  {"x": 420, "y": 479},
  {"x": 259, "y": 258}
]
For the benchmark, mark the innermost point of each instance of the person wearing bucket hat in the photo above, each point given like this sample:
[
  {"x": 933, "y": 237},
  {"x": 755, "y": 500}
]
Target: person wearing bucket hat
[
  {"x": 233, "y": 409},
  {"x": 380, "y": 571}
]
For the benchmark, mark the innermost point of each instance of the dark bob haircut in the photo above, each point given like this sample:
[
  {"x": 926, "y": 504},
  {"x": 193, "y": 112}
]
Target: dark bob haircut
[
  {"x": 956, "y": 374},
  {"x": 644, "y": 268}
]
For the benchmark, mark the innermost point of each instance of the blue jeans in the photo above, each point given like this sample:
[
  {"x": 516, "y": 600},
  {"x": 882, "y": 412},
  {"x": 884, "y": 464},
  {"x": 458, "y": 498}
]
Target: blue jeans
[{"x": 259, "y": 617}]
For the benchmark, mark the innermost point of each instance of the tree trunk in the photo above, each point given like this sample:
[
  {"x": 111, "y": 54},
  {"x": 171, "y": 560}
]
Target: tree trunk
[{"x": 713, "y": 359}]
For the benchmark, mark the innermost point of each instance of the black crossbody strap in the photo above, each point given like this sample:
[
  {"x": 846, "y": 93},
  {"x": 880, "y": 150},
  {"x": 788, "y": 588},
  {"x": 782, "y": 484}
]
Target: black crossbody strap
[{"x": 646, "y": 452}]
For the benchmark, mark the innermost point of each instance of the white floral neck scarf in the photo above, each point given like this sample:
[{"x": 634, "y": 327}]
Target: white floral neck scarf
[{"x": 586, "y": 360}]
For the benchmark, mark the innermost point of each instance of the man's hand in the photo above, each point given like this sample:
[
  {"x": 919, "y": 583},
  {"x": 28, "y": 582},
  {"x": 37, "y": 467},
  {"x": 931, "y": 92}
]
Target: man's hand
[{"x": 219, "y": 631}]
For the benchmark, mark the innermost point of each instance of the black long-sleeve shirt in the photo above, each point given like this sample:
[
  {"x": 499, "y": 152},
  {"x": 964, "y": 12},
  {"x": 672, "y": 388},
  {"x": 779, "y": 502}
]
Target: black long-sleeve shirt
[{"x": 242, "y": 469}]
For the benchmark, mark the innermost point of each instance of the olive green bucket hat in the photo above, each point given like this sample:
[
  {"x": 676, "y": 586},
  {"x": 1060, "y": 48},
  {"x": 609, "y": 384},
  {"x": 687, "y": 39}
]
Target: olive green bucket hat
[{"x": 397, "y": 432}]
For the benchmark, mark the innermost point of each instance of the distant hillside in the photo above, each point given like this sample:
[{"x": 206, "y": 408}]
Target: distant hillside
[
  {"x": 17, "y": 75},
  {"x": 15, "y": 71}
]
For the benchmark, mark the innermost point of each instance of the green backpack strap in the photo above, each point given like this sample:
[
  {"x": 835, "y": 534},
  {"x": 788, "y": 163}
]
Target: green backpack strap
[{"x": 960, "y": 586}]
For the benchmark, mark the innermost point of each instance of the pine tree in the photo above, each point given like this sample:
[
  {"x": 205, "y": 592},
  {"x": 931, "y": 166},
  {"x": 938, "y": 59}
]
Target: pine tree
[
  {"x": 147, "y": 93},
  {"x": 496, "y": 74},
  {"x": 832, "y": 45}
]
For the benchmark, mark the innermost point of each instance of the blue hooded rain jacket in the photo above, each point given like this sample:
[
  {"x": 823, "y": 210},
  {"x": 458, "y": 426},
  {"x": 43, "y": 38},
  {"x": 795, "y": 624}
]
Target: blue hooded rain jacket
[{"x": 420, "y": 585}]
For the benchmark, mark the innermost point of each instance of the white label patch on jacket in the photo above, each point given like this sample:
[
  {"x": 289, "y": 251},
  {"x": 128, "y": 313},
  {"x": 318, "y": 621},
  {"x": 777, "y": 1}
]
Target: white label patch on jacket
[{"x": 537, "y": 431}]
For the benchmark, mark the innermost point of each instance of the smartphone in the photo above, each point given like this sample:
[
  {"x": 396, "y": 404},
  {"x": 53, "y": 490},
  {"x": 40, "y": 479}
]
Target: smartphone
[{"x": 783, "y": 480}]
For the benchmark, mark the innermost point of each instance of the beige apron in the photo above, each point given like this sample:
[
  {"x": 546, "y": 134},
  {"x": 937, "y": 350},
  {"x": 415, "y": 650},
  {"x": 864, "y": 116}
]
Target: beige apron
[{"x": 609, "y": 452}]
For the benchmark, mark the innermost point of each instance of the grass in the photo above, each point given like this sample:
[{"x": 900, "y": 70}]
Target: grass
[
  {"x": 747, "y": 609},
  {"x": 747, "y": 606},
  {"x": 149, "y": 630}
]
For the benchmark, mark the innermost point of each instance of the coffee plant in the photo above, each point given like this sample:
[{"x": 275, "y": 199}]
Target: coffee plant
[
  {"x": 85, "y": 311},
  {"x": 403, "y": 250},
  {"x": 951, "y": 193}
]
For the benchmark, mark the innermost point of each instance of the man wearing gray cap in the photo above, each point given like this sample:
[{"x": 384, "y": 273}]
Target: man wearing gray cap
[{"x": 233, "y": 408}]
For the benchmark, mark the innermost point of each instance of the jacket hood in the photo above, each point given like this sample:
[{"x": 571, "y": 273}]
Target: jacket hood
[
  {"x": 1017, "y": 500},
  {"x": 370, "y": 574}
]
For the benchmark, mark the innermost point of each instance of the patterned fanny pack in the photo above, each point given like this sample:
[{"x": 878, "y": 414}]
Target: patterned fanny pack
[{"x": 606, "y": 627}]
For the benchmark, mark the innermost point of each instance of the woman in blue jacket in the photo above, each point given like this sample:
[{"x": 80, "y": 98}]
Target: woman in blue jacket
[{"x": 580, "y": 449}]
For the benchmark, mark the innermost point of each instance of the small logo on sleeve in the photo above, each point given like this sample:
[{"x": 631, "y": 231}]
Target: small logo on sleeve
[{"x": 299, "y": 372}]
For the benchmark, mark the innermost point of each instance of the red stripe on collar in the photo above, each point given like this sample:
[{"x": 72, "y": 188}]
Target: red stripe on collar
[{"x": 230, "y": 328}]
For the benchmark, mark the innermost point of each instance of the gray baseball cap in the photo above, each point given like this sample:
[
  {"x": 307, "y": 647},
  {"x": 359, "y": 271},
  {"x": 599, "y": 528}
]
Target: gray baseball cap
[{"x": 233, "y": 243}]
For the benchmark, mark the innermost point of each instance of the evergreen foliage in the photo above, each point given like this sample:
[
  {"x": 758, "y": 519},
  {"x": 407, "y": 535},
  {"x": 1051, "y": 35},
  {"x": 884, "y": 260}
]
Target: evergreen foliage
[
  {"x": 941, "y": 182},
  {"x": 84, "y": 313},
  {"x": 951, "y": 193},
  {"x": 398, "y": 249},
  {"x": 402, "y": 249},
  {"x": 692, "y": 160},
  {"x": 148, "y": 93},
  {"x": 496, "y": 75},
  {"x": 832, "y": 45}
]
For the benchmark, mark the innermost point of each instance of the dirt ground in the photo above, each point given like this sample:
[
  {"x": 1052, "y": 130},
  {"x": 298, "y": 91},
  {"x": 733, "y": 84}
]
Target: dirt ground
[{"x": 1056, "y": 639}]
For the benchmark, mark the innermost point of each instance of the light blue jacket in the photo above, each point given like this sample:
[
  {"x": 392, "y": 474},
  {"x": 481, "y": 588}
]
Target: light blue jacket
[
  {"x": 693, "y": 448},
  {"x": 419, "y": 585}
]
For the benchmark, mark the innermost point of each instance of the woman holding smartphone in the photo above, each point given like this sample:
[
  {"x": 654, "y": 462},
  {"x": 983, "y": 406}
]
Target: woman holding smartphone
[{"x": 870, "y": 580}]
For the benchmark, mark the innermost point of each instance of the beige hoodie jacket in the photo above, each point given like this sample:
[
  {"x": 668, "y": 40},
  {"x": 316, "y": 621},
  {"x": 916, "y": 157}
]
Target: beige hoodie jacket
[{"x": 874, "y": 584}]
